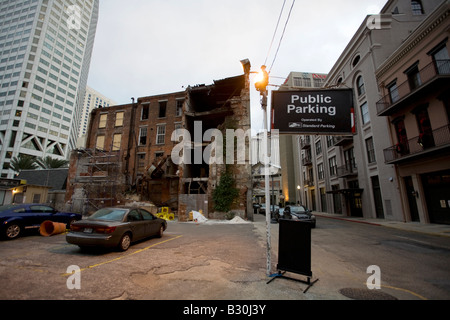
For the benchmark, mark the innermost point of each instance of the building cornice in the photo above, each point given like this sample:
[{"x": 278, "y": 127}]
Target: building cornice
[{"x": 421, "y": 32}]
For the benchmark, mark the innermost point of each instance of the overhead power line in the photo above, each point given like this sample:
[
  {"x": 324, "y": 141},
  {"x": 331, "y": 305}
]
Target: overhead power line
[
  {"x": 282, "y": 35},
  {"x": 275, "y": 32}
]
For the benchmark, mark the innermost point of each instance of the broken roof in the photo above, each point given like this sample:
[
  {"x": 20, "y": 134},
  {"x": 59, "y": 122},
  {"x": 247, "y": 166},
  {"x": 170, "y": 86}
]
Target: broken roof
[{"x": 205, "y": 97}]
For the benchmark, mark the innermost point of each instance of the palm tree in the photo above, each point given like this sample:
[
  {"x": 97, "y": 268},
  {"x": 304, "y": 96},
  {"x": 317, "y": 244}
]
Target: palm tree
[
  {"x": 51, "y": 163},
  {"x": 23, "y": 162}
]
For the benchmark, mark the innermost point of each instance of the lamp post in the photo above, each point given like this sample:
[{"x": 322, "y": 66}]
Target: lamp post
[{"x": 261, "y": 83}]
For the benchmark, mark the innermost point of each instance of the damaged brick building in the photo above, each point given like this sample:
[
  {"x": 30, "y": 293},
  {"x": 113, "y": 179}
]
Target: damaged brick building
[{"x": 128, "y": 152}]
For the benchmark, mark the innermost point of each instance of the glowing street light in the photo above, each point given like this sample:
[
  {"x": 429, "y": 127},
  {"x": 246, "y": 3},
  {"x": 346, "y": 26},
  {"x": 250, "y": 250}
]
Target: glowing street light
[{"x": 262, "y": 80}]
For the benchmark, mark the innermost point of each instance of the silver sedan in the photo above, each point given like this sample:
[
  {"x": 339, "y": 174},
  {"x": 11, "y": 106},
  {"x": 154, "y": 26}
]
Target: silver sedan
[{"x": 115, "y": 227}]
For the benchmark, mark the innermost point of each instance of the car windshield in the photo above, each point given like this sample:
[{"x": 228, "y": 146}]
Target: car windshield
[
  {"x": 298, "y": 209},
  {"x": 109, "y": 214}
]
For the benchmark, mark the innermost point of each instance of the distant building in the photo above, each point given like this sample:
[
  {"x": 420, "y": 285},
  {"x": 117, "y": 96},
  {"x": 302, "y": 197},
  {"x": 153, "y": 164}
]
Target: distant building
[
  {"x": 92, "y": 100},
  {"x": 415, "y": 86},
  {"x": 45, "y": 53},
  {"x": 301, "y": 80},
  {"x": 290, "y": 145},
  {"x": 353, "y": 170},
  {"x": 129, "y": 147},
  {"x": 8, "y": 188},
  {"x": 349, "y": 175}
]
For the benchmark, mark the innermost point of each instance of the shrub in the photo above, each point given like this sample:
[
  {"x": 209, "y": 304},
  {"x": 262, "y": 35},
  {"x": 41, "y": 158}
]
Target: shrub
[{"x": 225, "y": 193}]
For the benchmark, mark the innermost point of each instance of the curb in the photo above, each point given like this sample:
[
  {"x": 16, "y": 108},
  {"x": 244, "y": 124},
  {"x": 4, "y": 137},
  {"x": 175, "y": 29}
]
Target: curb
[
  {"x": 398, "y": 226},
  {"x": 348, "y": 219}
]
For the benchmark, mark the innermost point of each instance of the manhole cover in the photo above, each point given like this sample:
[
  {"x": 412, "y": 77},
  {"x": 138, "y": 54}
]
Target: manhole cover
[{"x": 365, "y": 294}]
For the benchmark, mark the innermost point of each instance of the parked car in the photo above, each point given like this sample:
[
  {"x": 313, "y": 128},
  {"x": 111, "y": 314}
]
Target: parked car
[
  {"x": 115, "y": 227},
  {"x": 262, "y": 208},
  {"x": 298, "y": 213},
  {"x": 273, "y": 209},
  {"x": 15, "y": 218}
]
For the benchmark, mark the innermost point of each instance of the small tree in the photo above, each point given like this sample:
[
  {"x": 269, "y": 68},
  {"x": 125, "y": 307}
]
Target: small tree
[
  {"x": 225, "y": 193},
  {"x": 51, "y": 163},
  {"x": 23, "y": 162}
]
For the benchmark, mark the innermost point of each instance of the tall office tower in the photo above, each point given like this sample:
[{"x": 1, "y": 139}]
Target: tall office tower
[
  {"x": 92, "y": 100},
  {"x": 45, "y": 53}
]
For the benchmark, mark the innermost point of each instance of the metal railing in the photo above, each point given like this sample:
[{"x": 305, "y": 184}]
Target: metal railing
[
  {"x": 348, "y": 169},
  {"x": 424, "y": 142},
  {"x": 305, "y": 142},
  {"x": 307, "y": 160},
  {"x": 425, "y": 75}
]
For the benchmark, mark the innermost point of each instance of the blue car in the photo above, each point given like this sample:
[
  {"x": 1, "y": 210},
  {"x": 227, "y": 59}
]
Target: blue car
[{"x": 14, "y": 219}]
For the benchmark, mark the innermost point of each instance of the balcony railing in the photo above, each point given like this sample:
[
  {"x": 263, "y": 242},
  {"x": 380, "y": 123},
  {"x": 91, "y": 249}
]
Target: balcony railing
[
  {"x": 342, "y": 140},
  {"x": 349, "y": 169},
  {"x": 305, "y": 142},
  {"x": 435, "y": 70},
  {"x": 424, "y": 143},
  {"x": 307, "y": 161}
]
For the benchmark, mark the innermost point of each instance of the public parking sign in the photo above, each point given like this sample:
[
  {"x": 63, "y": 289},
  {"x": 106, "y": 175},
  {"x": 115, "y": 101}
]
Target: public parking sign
[{"x": 328, "y": 112}]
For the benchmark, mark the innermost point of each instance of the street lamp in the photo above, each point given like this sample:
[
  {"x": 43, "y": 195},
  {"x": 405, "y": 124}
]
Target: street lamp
[{"x": 262, "y": 81}]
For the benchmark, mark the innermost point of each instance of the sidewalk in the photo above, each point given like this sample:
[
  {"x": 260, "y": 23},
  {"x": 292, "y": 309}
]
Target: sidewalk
[
  {"x": 426, "y": 228},
  {"x": 342, "y": 275}
]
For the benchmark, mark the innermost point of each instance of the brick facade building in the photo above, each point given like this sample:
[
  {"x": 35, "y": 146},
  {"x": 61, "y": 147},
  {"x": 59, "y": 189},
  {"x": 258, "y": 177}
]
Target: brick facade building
[{"x": 129, "y": 151}]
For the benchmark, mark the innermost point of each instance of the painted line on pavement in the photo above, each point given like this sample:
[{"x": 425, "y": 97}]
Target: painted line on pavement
[
  {"x": 121, "y": 257},
  {"x": 405, "y": 290}
]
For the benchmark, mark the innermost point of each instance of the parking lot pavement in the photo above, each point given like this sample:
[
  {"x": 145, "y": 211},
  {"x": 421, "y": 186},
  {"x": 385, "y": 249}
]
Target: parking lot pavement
[
  {"x": 213, "y": 261},
  {"x": 193, "y": 261}
]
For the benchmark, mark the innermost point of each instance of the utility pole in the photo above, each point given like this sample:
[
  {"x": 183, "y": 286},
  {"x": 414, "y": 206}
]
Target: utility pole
[{"x": 261, "y": 83}]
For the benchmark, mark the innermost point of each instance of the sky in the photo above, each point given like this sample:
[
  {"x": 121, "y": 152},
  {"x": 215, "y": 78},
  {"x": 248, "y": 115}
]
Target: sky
[{"x": 150, "y": 47}]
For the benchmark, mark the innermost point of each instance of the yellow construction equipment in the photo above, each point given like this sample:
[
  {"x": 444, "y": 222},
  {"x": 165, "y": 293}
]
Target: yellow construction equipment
[{"x": 164, "y": 214}]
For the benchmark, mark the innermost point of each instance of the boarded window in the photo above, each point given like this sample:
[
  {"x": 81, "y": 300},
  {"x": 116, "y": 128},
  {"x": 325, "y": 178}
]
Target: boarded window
[
  {"x": 119, "y": 119},
  {"x": 102, "y": 122},
  {"x": 116, "y": 142}
]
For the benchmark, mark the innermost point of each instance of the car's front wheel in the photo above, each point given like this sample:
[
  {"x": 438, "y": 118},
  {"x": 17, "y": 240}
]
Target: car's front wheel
[
  {"x": 13, "y": 231},
  {"x": 125, "y": 242}
]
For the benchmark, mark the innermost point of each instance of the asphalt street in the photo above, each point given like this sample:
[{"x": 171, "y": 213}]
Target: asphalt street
[{"x": 227, "y": 261}]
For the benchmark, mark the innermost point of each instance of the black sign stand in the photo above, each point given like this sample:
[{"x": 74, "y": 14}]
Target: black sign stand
[{"x": 294, "y": 251}]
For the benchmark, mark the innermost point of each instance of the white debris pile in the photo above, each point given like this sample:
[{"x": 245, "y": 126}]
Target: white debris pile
[
  {"x": 237, "y": 220},
  {"x": 198, "y": 217}
]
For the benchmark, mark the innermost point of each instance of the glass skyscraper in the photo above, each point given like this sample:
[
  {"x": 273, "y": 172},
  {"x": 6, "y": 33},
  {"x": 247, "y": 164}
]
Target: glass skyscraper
[{"x": 45, "y": 53}]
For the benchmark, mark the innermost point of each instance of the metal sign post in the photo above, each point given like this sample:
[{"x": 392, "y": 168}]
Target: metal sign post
[{"x": 266, "y": 186}]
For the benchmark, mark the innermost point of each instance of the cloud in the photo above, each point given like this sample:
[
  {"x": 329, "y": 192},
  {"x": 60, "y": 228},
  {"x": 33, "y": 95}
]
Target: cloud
[{"x": 148, "y": 47}]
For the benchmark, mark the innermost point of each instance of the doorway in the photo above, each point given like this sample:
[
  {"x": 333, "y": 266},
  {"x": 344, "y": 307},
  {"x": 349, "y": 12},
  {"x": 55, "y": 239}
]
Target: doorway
[
  {"x": 376, "y": 189},
  {"x": 411, "y": 193},
  {"x": 436, "y": 186}
]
